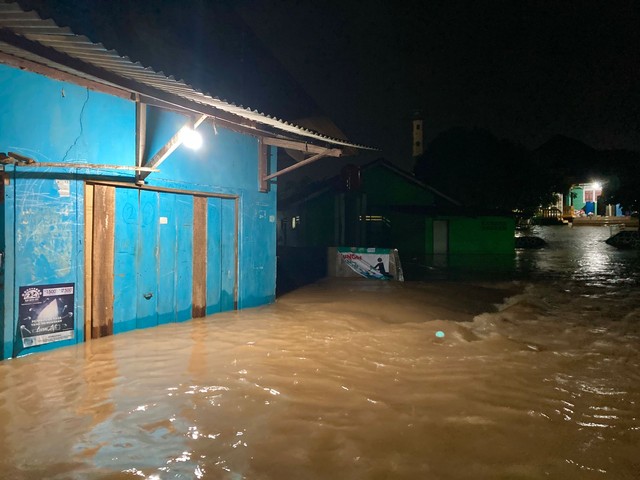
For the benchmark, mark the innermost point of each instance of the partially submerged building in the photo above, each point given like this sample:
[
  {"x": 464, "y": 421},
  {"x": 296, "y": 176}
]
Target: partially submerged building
[
  {"x": 108, "y": 222},
  {"x": 381, "y": 205}
]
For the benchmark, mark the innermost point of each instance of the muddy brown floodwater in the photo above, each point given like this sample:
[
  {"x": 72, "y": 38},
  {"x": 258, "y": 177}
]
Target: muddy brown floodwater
[{"x": 341, "y": 379}]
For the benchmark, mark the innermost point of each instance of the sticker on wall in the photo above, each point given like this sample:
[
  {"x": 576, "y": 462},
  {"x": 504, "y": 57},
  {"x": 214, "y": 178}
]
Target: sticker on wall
[
  {"x": 64, "y": 187},
  {"x": 45, "y": 314}
]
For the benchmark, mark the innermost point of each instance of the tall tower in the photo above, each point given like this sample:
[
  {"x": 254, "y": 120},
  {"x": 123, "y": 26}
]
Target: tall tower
[{"x": 418, "y": 137}]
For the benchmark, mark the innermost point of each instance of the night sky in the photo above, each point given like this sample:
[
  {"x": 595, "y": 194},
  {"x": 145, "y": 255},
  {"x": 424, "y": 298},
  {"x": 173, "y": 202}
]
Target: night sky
[{"x": 524, "y": 70}]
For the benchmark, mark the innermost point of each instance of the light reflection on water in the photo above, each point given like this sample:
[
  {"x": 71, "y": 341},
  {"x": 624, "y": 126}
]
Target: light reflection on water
[
  {"x": 538, "y": 376},
  {"x": 580, "y": 254}
]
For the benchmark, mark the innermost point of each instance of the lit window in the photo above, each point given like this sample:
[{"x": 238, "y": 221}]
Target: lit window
[
  {"x": 295, "y": 221},
  {"x": 375, "y": 218}
]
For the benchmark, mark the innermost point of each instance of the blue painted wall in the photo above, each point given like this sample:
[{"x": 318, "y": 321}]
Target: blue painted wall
[
  {"x": 226, "y": 164},
  {"x": 2, "y": 249},
  {"x": 53, "y": 121}
]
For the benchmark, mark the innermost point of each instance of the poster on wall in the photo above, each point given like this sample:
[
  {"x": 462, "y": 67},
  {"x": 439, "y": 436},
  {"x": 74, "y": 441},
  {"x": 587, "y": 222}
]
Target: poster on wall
[
  {"x": 45, "y": 314},
  {"x": 367, "y": 262}
]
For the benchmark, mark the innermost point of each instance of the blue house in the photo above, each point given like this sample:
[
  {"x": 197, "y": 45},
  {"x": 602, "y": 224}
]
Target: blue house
[{"x": 108, "y": 222}]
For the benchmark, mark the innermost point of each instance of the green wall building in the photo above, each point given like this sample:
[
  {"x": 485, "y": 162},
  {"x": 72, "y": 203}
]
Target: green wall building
[{"x": 380, "y": 205}]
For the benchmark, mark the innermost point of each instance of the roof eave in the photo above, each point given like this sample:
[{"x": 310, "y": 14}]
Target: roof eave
[{"x": 42, "y": 39}]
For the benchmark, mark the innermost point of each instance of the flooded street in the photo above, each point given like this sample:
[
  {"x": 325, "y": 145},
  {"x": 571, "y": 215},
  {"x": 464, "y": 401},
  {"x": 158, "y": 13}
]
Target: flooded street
[{"x": 537, "y": 376}]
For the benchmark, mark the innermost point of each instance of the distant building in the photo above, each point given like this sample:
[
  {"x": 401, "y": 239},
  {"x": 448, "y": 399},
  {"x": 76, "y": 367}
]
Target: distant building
[
  {"x": 586, "y": 199},
  {"x": 588, "y": 176},
  {"x": 381, "y": 205}
]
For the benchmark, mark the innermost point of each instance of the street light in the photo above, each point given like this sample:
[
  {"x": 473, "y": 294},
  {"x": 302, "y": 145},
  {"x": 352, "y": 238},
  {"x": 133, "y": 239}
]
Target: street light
[{"x": 190, "y": 138}]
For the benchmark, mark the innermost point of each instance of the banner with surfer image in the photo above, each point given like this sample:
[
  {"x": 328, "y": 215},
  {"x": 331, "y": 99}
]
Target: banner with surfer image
[
  {"x": 45, "y": 313},
  {"x": 367, "y": 262}
]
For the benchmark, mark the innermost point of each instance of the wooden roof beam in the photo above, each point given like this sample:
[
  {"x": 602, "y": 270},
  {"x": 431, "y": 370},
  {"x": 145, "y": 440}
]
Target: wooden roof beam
[
  {"x": 329, "y": 152},
  {"x": 301, "y": 146}
]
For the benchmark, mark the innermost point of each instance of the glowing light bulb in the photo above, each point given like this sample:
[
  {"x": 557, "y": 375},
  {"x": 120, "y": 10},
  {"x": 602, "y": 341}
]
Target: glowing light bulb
[{"x": 191, "y": 139}]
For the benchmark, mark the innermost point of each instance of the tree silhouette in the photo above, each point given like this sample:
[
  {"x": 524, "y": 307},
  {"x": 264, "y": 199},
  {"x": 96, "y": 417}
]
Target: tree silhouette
[
  {"x": 620, "y": 173},
  {"x": 476, "y": 168}
]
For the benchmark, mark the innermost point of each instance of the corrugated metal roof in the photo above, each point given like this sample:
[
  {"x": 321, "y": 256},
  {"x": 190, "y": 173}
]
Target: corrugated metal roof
[{"x": 78, "y": 55}]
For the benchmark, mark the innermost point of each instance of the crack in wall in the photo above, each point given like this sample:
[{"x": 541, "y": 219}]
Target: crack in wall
[{"x": 75, "y": 142}]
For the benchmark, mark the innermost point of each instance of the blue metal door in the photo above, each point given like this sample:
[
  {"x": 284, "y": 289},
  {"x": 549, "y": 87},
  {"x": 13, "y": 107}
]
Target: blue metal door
[
  {"x": 184, "y": 256},
  {"x": 124, "y": 260},
  {"x": 168, "y": 223},
  {"x": 2, "y": 243},
  {"x": 147, "y": 260},
  {"x": 221, "y": 255},
  {"x": 228, "y": 255},
  {"x": 169, "y": 265}
]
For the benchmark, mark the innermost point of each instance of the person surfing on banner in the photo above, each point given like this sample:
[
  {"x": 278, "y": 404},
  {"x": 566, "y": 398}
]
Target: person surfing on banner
[{"x": 380, "y": 267}]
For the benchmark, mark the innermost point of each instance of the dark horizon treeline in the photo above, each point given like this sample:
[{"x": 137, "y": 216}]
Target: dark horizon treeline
[{"x": 480, "y": 170}]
